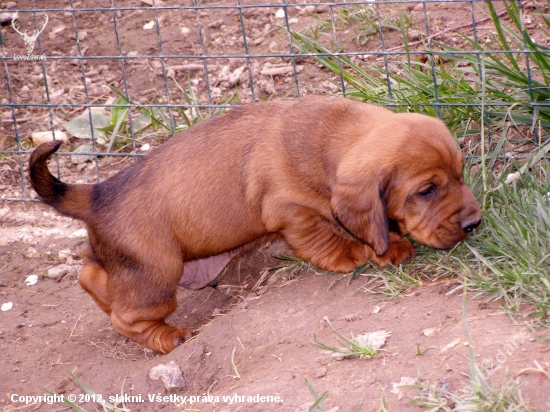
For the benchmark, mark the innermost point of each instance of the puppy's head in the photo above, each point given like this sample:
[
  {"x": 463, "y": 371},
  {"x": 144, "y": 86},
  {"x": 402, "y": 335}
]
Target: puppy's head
[
  {"x": 406, "y": 169},
  {"x": 428, "y": 197}
]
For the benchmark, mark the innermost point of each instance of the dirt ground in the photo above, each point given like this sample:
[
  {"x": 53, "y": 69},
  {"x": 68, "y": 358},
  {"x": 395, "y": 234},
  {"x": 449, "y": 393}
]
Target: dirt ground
[{"x": 254, "y": 348}]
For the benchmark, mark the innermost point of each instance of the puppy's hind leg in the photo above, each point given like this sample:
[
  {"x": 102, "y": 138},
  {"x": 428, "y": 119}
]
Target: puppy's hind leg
[
  {"x": 94, "y": 280},
  {"x": 141, "y": 302}
]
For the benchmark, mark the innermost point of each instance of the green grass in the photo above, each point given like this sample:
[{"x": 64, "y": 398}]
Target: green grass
[
  {"x": 507, "y": 79},
  {"x": 318, "y": 404},
  {"x": 363, "y": 20},
  {"x": 479, "y": 396},
  {"x": 511, "y": 254},
  {"x": 510, "y": 91},
  {"x": 360, "y": 346}
]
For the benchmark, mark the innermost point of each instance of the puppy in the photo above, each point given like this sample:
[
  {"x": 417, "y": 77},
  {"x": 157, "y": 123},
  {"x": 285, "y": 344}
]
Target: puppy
[{"x": 341, "y": 182}]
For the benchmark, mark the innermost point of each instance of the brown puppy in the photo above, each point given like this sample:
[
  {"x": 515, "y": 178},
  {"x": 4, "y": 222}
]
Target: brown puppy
[{"x": 341, "y": 182}]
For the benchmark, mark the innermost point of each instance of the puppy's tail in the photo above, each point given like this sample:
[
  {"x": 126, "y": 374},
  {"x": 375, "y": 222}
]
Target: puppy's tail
[{"x": 70, "y": 200}]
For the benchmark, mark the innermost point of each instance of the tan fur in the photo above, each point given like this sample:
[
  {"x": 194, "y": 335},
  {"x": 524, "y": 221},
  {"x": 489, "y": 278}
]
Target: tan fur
[{"x": 341, "y": 182}]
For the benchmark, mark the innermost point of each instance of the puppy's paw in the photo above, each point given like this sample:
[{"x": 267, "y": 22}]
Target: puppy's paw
[
  {"x": 178, "y": 336},
  {"x": 400, "y": 251}
]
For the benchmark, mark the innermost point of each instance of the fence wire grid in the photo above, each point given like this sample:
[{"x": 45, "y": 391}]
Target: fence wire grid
[{"x": 115, "y": 78}]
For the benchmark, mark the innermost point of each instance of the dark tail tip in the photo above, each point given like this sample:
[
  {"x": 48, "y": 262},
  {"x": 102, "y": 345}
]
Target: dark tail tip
[
  {"x": 50, "y": 189},
  {"x": 44, "y": 151}
]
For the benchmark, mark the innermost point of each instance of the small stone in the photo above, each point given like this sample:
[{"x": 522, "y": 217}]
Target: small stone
[
  {"x": 273, "y": 47},
  {"x": 64, "y": 255},
  {"x": 38, "y": 138},
  {"x": 6, "y": 306},
  {"x": 236, "y": 75},
  {"x": 4, "y": 211},
  {"x": 77, "y": 158},
  {"x": 405, "y": 381},
  {"x": 31, "y": 280},
  {"x": 216, "y": 92},
  {"x": 216, "y": 24},
  {"x": 79, "y": 233},
  {"x": 170, "y": 374},
  {"x": 57, "y": 272},
  {"x": 304, "y": 407},
  {"x": 149, "y": 25},
  {"x": 429, "y": 331},
  {"x": 31, "y": 253},
  {"x": 321, "y": 372}
]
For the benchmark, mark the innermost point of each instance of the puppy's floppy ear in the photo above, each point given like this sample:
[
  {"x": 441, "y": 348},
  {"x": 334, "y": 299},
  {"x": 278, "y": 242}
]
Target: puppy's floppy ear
[{"x": 358, "y": 206}]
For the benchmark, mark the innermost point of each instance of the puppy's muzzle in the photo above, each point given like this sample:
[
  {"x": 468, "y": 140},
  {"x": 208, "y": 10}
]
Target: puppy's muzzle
[
  {"x": 469, "y": 217},
  {"x": 469, "y": 227}
]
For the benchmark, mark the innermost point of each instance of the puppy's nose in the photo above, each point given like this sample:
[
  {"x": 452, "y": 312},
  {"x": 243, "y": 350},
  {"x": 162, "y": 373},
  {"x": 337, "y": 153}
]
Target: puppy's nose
[{"x": 469, "y": 226}]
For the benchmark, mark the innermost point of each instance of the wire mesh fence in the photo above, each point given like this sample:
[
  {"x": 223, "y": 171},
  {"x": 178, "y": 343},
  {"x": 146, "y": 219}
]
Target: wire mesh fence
[{"x": 116, "y": 78}]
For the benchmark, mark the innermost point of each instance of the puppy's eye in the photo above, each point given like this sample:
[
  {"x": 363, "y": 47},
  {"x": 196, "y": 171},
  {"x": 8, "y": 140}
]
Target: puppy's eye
[{"x": 429, "y": 191}]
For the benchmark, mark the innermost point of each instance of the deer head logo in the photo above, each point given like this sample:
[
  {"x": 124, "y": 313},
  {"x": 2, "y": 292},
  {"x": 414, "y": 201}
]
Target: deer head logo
[{"x": 29, "y": 40}]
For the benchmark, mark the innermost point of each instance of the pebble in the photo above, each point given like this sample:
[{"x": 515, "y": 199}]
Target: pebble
[
  {"x": 170, "y": 375},
  {"x": 31, "y": 280},
  {"x": 42, "y": 137},
  {"x": 6, "y": 306},
  {"x": 64, "y": 255},
  {"x": 273, "y": 47},
  {"x": 57, "y": 272},
  {"x": 79, "y": 233},
  {"x": 31, "y": 253},
  {"x": 429, "y": 331},
  {"x": 321, "y": 373}
]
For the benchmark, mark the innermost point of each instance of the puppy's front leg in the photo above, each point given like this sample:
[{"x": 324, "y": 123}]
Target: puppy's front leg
[
  {"x": 315, "y": 239},
  {"x": 399, "y": 251}
]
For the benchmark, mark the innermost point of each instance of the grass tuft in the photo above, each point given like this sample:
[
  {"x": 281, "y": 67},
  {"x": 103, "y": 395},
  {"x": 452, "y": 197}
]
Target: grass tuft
[
  {"x": 449, "y": 83},
  {"x": 362, "y": 346}
]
